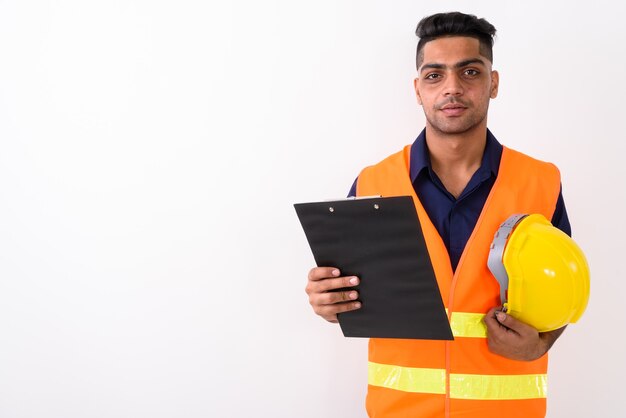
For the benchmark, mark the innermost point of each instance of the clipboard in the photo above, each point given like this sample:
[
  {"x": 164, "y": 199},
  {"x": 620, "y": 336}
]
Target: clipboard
[{"x": 380, "y": 240}]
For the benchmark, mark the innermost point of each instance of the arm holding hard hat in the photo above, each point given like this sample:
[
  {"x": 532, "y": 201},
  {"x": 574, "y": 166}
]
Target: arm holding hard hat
[
  {"x": 516, "y": 340},
  {"x": 544, "y": 285}
]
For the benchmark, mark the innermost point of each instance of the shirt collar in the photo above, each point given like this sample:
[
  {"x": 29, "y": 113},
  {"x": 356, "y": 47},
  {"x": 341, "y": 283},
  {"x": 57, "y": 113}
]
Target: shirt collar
[{"x": 489, "y": 165}]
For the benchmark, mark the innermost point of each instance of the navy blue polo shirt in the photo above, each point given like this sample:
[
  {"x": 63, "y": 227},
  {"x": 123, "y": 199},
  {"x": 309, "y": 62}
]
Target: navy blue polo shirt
[{"x": 455, "y": 218}]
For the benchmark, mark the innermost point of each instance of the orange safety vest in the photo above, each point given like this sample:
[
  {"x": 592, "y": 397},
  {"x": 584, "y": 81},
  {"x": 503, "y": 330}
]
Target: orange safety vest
[{"x": 461, "y": 378}]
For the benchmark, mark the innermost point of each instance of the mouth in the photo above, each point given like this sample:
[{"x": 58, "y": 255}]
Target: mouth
[{"x": 453, "y": 109}]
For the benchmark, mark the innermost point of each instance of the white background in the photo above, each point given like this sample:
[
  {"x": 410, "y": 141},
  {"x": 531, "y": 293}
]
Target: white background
[{"x": 151, "y": 262}]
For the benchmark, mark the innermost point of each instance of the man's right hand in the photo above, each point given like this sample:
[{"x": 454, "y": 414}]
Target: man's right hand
[{"x": 326, "y": 301}]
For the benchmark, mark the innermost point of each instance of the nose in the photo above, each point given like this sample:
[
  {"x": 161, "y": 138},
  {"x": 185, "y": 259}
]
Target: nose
[{"x": 453, "y": 86}]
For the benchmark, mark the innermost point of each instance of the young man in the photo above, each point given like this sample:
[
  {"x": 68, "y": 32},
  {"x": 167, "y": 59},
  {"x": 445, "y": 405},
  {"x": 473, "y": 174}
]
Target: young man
[{"x": 464, "y": 184}]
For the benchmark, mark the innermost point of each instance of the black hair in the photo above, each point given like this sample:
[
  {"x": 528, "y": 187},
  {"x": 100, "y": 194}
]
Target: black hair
[{"x": 454, "y": 24}]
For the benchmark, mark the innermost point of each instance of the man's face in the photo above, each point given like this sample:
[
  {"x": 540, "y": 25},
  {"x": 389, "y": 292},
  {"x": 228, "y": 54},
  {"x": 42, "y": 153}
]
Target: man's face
[{"x": 454, "y": 85}]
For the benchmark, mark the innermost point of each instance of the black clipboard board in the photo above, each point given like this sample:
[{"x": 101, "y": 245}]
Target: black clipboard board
[{"x": 380, "y": 240}]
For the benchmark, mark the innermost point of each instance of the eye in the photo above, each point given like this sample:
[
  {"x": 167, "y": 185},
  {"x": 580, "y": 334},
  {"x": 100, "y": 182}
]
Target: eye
[
  {"x": 471, "y": 72},
  {"x": 433, "y": 76}
]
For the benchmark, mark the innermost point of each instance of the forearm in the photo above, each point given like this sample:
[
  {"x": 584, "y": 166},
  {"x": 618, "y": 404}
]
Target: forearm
[{"x": 548, "y": 338}]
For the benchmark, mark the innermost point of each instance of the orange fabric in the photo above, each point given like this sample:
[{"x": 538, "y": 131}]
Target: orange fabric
[
  {"x": 523, "y": 185},
  {"x": 389, "y": 351},
  {"x": 473, "y": 357},
  {"x": 463, "y": 408},
  {"x": 397, "y": 406}
]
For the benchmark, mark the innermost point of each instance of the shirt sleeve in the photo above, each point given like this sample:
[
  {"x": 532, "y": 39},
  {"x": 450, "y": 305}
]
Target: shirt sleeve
[
  {"x": 352, "y": 192},
  {"x": 559, "y": 218}
]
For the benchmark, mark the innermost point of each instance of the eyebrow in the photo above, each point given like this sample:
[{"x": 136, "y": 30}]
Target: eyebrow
[{"x": 459, "y": 64}]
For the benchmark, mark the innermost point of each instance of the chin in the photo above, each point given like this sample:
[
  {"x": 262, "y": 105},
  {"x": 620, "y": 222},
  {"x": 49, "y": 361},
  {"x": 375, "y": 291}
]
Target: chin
[
  {"x": 453, "y": 130},
  {"x": 455, "y": 127}
]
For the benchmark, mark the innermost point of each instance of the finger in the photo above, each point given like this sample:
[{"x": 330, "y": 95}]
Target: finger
[
  {"x": 338, "y": 283},
  {"x": 497, "y": 333},
  {"x": 325, "y": 285},
  {"x": 331, "y": 298},
  {"x": 491, "y": 314},
  {"x": 513, "y": 324},
  {"x": 319, "y": 273},
  {"x": 490, "y": 318},
  {"x": 494, "y": 328},
  {"x": 329, "y": 312}
]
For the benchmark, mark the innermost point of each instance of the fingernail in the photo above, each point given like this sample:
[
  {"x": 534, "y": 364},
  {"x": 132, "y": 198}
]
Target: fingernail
[
  {"x": 357, "y": 304},
  {"x": 352, "y": 295},
  {"x": 500, "y": 315},
  {"x": 335, "y": 272},
  {"x": 354, "y": 280}
]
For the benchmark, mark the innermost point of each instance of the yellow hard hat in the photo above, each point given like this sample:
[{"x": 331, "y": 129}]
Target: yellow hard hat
[{"x": 543, "y": 274}]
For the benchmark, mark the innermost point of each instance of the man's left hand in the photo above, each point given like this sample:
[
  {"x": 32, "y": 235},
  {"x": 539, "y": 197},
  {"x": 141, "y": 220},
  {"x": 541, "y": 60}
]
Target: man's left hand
[{"x": 516, "y": 340}]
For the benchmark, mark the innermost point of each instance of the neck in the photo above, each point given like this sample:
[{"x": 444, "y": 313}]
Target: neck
[
  {"x": 455, "y": 158},
  {"x": 454, "y": 152}
]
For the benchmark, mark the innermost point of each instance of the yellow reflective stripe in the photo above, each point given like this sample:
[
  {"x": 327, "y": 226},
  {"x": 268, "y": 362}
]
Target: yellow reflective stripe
[
  {"x": 462, "y": 386},
  {"x": 492, "y": 387},
  {"x": 466, "y": 324},
  {"x": 407, "y": 379}
]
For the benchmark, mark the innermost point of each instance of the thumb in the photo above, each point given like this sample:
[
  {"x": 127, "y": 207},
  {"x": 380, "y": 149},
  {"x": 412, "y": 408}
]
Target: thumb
[
  {"x": 513, "y": 324},
  {"x": 501, "y": 316}
]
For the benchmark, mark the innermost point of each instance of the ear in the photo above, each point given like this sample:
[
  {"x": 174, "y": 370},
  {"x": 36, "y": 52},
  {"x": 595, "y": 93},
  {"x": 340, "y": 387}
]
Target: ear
[
  {"x": 495, "y": 82},
  {"x": 416, "y": 83}
]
